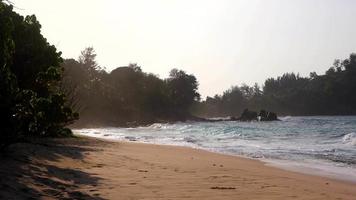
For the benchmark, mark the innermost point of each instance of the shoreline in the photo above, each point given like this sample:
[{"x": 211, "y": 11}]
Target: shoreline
[
  {"x": 286, "y": 165},
  {"x": 92, "y": 168},
  {"x": 313, "y": 170},
  {"x": 289, "y": 165}
]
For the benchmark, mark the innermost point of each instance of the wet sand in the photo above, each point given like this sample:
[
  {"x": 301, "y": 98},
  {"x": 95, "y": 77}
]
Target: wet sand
[{"x": 88, "y": 168}]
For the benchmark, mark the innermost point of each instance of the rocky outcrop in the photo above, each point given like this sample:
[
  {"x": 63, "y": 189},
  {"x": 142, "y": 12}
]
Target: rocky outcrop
[
  {"x": 267, "y": 116},
  {"x": 248, "y": 115}
]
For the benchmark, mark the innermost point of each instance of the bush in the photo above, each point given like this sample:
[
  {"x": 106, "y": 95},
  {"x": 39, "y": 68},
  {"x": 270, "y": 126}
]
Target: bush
[{"x": 31, "y": 103}]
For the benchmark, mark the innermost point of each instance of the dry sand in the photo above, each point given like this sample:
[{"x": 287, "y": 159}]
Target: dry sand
[{"x": 88, "y": 168}]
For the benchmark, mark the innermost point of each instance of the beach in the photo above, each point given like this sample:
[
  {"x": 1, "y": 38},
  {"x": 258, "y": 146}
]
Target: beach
[{"x": 90, "y": 168}]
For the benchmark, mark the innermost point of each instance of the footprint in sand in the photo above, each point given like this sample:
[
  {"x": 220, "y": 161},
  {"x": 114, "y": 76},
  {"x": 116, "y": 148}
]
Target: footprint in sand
[
  {"x": 223, "y": 176},
  {"x": 99, "y": 165},
  {"x": 222, "y": 188}
]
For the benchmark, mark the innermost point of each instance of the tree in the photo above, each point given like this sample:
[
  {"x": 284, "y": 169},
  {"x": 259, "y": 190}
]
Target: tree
[
  {"x": 182, "y": 91},
  {"x": 31, "y": 102},
  {"x": 8, "y": 84},
  {"x": 328, "y": 94},
  {"x": 88, "y": 60}
]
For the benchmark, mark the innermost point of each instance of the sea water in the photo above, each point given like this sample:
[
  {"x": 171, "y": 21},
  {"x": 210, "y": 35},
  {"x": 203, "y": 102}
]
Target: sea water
[{"x": 319, "y": 145}]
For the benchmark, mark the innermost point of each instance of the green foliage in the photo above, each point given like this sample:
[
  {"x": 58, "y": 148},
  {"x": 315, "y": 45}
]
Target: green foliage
[
  {"x": 30, "y": 100},
  {"x": 8, "y": 85},
  {"x": 126, "y": 95},
  {"x": 290, "y": 94},
  {"x": 129, "y": 95},
  {"x": 182, "y": 91}
]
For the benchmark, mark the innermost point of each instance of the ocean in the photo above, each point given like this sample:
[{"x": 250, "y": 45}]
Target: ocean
[{"x": 322, "y": 145}]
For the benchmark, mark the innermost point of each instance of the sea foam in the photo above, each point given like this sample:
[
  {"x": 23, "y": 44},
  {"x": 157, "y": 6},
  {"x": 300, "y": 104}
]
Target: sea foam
[
  {"x": 349, "y": 139},
  {"x": 328, "y": 143}
]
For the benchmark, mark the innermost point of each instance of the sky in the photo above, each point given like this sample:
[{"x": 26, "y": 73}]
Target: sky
[{"x": 222, "y": 42}]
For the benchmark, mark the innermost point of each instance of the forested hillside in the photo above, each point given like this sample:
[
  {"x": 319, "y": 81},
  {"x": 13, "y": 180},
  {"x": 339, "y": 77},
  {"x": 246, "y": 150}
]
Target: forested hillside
[
  {"x": 126, "y": 96},
  {"x": 39, "y": 89},
  {"x": 333, "y": 93}
]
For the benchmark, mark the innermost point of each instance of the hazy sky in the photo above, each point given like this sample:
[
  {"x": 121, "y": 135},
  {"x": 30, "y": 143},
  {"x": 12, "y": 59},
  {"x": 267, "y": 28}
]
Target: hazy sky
[{"x": 222, "y": 42}]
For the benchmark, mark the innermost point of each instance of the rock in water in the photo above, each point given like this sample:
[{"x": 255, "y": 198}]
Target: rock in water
[
  {"x": 267, "y": 116},
  {"x": 248, "y": 115}
]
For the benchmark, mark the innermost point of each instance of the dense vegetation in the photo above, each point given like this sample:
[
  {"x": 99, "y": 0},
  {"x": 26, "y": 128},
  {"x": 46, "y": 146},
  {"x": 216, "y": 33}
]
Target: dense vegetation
[
  {"x": 38, "y": 90},
  {"x": 31, "y": 102},
  {"x": 126, "y": 96},
  {"x": 333, "y": 93}
]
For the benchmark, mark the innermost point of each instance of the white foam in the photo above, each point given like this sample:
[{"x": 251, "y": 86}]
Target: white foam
[
  {"x": 322, "y": 140},
  {"x": 349, "y": 139},
  {"x": 313, "y": 167},
  {"x": 285, "y": 118}
]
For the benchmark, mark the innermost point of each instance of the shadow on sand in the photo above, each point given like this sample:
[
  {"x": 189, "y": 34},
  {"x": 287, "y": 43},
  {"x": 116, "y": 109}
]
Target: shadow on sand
[{"x": 26, "y": 173}]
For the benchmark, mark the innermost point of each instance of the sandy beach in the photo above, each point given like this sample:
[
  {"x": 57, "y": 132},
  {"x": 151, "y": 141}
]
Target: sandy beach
[{"x": 88, "y": 168}]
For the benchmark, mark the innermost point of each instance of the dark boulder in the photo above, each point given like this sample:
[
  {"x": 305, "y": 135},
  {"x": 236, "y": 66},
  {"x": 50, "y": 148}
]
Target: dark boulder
[
  {"x": 267, "y": 116},
  {"x": 248, "y": 115}
]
